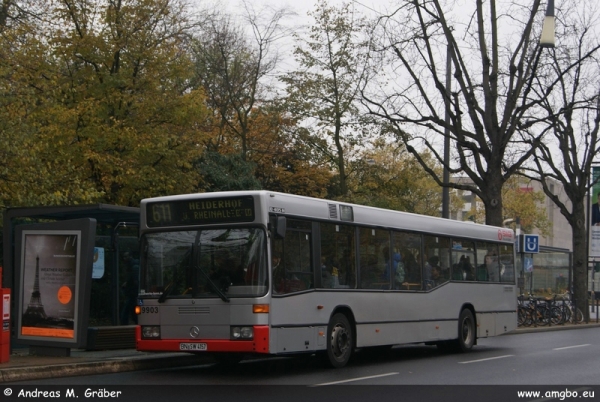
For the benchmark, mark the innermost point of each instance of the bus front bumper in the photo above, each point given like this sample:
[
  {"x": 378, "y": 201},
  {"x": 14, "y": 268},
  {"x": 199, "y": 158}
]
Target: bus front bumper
[{"x": 260, "y": 343}]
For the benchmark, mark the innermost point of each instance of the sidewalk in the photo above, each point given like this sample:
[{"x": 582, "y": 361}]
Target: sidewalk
[{"x": 25, "y": 367}]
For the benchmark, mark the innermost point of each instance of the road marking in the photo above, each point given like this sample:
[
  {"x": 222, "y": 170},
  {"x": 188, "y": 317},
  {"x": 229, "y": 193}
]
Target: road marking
[
  {"x": 485, "y": 360},
  {"x": 571, "y": 347},
  {"x": 354, "y": 379}
]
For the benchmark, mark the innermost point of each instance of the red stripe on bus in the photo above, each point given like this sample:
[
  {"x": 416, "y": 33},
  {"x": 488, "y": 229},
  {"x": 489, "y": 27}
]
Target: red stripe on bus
[{"x": 260, "y": 344}]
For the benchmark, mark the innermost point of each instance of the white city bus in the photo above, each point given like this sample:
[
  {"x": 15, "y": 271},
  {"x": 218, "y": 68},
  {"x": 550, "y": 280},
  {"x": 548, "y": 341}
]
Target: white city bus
[{"x": 260, "y": 272}]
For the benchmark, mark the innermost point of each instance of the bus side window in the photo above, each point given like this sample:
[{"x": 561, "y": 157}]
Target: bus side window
[
  {"x": 337, "y": 268},
  {"x": 294, "y": 273},
  {"x": 406, "y": 248},
  {"x": 437, "y": 265},
  {"x": 507, "y": 264},
  {"x": 463, "y": 258},
  {"x": 488, "y": 265},
  {"x": 372, "y": 260}
]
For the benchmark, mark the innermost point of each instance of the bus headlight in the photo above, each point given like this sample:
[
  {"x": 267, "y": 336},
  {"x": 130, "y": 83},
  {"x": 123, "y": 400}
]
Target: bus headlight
[
  {"x": 242, "y": 333},
  {"x": 151, "y": 332}
]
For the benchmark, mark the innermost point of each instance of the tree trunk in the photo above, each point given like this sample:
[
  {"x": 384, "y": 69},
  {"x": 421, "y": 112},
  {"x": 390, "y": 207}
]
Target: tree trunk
[
  {"x": 493, "y": 212},
  {"x": 580, "y": 257},
  {"x": 492, "y": 189}
]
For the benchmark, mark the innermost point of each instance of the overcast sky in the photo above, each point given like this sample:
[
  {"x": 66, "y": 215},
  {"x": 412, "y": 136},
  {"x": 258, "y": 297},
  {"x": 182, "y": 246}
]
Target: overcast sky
[{"x": 301, "y": 8}]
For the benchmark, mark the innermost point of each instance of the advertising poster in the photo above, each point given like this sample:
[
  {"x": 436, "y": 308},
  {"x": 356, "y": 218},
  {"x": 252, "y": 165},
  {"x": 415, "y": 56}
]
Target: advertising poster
[
  {"x": 49, "y": 276},
  {"x": 594, "y": 243},
  {"x": 98, "y": 263},
  {"x": 528, "y": 264}
]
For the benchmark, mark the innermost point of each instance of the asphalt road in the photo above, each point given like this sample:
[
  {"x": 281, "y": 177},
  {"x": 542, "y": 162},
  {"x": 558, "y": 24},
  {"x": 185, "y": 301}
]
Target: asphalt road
[{"x": 566, "y": 358}]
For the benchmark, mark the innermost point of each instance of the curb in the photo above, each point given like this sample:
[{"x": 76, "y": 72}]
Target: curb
[
  {"x": 98, "y": 367},
  {"x": 541, "y": 328}
]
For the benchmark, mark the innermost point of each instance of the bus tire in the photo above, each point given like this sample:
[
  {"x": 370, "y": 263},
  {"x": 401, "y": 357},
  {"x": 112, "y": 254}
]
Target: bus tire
[
  {"x": 466, "y": 331},
  {"x": 340, "y": 341}
]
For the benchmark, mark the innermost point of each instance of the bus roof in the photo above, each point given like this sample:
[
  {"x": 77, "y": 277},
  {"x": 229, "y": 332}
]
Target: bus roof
[{"x": 323, "y": 209}]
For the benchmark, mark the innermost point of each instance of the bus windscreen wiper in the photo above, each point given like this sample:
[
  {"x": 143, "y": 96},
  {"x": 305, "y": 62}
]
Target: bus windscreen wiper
[
  {"x": 166, "y": 292},
  {"x": 213, "y": 285}
]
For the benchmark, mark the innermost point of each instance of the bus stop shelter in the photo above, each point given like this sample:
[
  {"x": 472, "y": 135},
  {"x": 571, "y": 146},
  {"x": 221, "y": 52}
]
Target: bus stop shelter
[
  {"x": 545, "y": 273},
  {"x": 116, "y": 234}
]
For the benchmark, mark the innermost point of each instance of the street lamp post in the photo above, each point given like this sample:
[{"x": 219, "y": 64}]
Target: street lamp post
[
  {"x": 547, "y": 37},
  {"x": 446, "y": 188}
]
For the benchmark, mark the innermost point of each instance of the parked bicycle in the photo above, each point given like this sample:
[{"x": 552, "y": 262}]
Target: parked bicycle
[
  {"x": 538, "y": 311},
  {"x": 556, "y": 310},
  {"x": 572, "y": 313}
]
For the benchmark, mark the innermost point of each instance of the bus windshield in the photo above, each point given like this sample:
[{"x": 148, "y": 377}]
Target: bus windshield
[{"x": 207, "y": 263}]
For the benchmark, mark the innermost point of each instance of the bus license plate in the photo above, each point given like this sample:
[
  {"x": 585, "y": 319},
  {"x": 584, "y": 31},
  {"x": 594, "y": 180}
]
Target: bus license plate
[{"x": 192, "y": 346}]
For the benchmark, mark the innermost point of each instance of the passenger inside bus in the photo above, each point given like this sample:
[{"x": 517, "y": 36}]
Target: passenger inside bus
[
  {"x": 395, "y": 268},
  {"x": 412, "y": 270},
  {"x": 468, "y": 270},
  {"x": 431, "y": 263},
  {"x": 347, "y": 269},
  {"x": 436, "y": 278},
  {"x": 404, "y": 274},
  {"x": 463, "y": 270},
  {"x": 329, "y": 273},
  {"x": 489, "y": 270},
  {"x": 437, "y": 274}
]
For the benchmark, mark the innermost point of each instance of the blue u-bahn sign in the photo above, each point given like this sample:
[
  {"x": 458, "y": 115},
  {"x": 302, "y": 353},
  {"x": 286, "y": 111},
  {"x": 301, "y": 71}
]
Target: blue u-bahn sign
[{"x": 531, "y": 243}]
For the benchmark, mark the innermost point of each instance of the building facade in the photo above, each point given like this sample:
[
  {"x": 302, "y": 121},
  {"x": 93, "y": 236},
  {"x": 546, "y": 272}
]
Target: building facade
[{"x": 560, "y": 235}]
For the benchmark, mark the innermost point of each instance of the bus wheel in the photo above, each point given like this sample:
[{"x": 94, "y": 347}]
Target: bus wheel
[
  {"x": 340, "y": 341},
  {"x": 466, "y": 331}
]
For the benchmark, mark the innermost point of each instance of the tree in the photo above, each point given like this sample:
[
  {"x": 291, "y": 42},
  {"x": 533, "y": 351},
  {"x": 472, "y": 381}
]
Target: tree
[
  {"x": 570, "y": 117},
  {"x": 230, "y": 69},
  {"x": 27, "y": 78},
  {"x": 17, "y": 12},
  {"x": 387, "y": 176},
  {"x": 523, "y": 202},
  {"x": 325, "y": 88},
  {"x": 227, "y": 172},
  {"x": 110, "y": 116},
  {"x": 21, "y": 53},
  {"x": 285, "y": 158},
  {"x": 246, "y": 122},
  {"x": 491, "y": 77}
]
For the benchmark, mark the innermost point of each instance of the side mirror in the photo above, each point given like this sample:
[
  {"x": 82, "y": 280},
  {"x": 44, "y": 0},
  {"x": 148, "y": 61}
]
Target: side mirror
[{"x": 279, "y": 226}]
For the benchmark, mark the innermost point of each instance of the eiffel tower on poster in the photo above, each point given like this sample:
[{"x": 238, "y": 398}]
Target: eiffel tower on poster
[{"x": 35, "y": 310}]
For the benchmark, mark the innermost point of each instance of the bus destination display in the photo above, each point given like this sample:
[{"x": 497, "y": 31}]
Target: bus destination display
[{"x": 200, "y": 212}]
